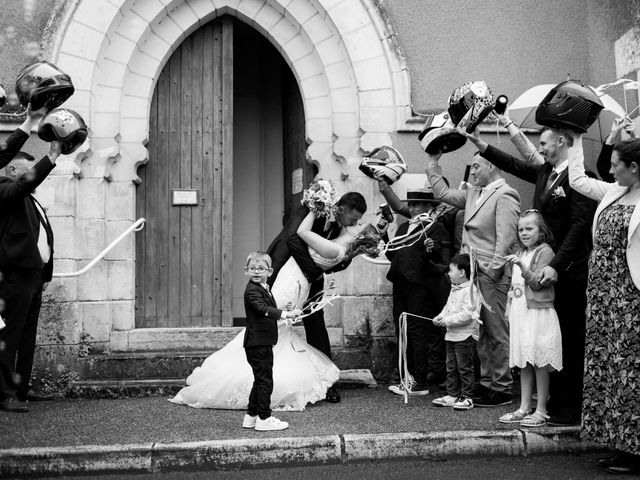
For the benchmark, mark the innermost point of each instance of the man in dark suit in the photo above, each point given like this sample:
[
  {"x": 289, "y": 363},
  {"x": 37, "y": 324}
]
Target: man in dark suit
[
  {"x": 569, "y": 216},
  {"x": 348, "y": 210},
  {"x": 418, "y": 274},
  {"x": 26, "y": 263}
]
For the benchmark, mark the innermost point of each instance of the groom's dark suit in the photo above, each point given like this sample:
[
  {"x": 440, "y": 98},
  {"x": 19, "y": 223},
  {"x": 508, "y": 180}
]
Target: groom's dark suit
[
  {"x": 23, "y": 274},
  {"x": 289, "y": 244},
  {"x": 569, "y": 216}
]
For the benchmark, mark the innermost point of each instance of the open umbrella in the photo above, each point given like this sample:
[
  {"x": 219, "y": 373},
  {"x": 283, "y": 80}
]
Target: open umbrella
[{"x": 523, "y": 112}]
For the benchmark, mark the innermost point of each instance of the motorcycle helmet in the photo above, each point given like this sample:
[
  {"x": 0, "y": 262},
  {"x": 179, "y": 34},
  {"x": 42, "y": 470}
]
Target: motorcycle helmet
[
  {"x": 64, "y": 125},
  {"x": 3, "y": 96},
  {"x": 385, "y": 162},
  {"x": 43, "y": 84},
  {"x": 570, "y": 104},
  {"x": 472, "y": 102},
  {"x": 441, "y": 135}
]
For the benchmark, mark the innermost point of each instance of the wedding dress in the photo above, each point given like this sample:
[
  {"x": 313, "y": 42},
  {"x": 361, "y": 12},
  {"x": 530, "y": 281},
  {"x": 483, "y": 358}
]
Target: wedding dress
[{"x": 301, "y": 373}]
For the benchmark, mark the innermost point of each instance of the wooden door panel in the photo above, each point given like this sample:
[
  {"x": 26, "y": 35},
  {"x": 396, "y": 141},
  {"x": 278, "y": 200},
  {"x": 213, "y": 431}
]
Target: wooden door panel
[{"x": 183, "y": 259}]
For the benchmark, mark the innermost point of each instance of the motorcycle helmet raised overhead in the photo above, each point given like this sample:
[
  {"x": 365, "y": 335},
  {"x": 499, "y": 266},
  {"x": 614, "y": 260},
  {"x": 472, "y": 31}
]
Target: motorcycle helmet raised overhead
[
  {"x": 3, "y": 96},
  {"x": 471, "y": 102},
  {"x": 63, "y": 125},
  {"x": 44, "y": 85},
  {"x": 441, "y": 135},
  {"x": 570, "y": 104},
  {"x": 385, "y": 162}
]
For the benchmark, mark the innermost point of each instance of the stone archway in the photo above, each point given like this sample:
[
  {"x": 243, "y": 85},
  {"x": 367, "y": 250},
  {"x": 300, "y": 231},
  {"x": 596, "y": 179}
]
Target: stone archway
[{"x": 345, "y": 57}]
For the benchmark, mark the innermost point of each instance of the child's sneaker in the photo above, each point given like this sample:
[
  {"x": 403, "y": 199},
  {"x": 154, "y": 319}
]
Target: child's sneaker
[
  {"x": 397, "y": 389},
  {"x": 446, "y": 401},
  {"x": 463, "y": 403},
  {"x": 270, "y": 424},
  {"x": 249, "y": 421},
  {"x": 415, "y": 390}
]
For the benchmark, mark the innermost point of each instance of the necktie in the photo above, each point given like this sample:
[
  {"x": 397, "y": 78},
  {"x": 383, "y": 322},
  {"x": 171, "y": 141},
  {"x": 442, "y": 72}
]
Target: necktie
[
  {"x": 482, "y": 189},
  {"x": 550, "y": 180}
]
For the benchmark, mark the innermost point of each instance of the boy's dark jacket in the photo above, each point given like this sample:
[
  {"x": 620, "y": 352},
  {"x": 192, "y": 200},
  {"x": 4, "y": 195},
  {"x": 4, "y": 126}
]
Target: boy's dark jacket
[{"x": 262, "y": 316}]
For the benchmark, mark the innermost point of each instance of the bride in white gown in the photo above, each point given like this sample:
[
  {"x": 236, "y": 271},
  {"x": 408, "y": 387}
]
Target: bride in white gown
[{"x": 301, "y": 373}]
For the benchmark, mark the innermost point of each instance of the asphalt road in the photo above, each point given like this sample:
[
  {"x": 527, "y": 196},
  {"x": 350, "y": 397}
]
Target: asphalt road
[{"x": 565, "y": 467}]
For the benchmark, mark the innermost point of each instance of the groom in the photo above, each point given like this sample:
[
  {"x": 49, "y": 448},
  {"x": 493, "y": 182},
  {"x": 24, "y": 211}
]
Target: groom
[{"x": 348, "y": 210}]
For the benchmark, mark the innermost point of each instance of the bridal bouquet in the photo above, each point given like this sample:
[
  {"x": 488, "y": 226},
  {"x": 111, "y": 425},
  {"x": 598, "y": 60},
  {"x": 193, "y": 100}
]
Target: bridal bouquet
[
  {"x": 368, "y": 242},
  {"x": 319, "y": 198}
]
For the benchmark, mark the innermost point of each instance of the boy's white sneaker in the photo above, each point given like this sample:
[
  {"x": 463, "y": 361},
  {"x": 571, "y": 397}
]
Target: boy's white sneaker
[
  {"x": 446, "y": 401},
  {"x": 463, "y": 403},
  {"x": 270, "y": 424},
  {"x": 249, "y": 421}
]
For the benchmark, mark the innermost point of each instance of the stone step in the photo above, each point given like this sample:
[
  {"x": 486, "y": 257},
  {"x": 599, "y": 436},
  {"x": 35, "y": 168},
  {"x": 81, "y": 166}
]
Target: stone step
[
  {"x": 151, "y": 387},
  {"x": 178, "y": 364},
  {"x": 141, "y": 365},
  {"x": 197, "y": 338},
  {"x": 156, "y": 387}
]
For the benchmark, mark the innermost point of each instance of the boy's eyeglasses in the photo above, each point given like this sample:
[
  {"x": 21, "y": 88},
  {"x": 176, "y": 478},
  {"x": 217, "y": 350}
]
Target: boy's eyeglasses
[{"x": 256, "y": 269}]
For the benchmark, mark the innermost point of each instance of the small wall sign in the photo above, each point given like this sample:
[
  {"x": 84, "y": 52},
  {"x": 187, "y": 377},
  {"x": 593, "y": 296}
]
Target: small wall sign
[
  {"x": 184, "y": 197},
  {"x": 296, "y": 181}
]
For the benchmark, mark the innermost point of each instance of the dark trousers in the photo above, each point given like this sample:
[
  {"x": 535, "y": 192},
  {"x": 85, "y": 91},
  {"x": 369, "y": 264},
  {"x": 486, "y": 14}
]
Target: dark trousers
[
  {"x": 460, "y": 367},
  {"x": 314, "y": 327},
  {"x": 565, "y": 387},
  {"x": 261, "y": 360},
  {"x": 21, "y": 291},
  {"x": 425, "y": 342}
]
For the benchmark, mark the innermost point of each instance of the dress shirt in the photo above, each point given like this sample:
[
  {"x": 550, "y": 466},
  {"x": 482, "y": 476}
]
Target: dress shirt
[
  {"x": 484, "y": 189},
  {"x": 43, "y": 244}
]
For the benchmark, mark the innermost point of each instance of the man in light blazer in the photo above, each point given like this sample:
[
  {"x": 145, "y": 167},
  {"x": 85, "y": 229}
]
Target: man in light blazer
[{"x": 491, "y": 216}]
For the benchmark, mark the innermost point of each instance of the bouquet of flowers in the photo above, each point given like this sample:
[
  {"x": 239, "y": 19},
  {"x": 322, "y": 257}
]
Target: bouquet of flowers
[
  {"x": 320, "y": 197},
  {"x": 368, "y": 242}
]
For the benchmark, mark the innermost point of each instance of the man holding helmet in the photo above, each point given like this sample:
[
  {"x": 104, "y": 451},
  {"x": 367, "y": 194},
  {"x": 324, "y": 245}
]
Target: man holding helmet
[{"x": 26, "y": 263}]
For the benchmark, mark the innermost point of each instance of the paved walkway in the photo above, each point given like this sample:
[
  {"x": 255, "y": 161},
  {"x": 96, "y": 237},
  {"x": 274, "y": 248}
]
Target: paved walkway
[{"x": 152, "y": 434}]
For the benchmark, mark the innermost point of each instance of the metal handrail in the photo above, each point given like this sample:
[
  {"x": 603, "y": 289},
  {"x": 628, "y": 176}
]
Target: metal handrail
[{"x": 135, "y": 227}]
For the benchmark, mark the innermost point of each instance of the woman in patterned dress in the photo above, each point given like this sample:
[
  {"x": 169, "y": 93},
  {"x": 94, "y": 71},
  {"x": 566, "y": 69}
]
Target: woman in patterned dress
[{"x": 611, "y": 405}]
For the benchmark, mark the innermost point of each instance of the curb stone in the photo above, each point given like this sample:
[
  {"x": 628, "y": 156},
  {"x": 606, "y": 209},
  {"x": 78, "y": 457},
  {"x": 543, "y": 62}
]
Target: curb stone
[{"x": 224, "y": 454}]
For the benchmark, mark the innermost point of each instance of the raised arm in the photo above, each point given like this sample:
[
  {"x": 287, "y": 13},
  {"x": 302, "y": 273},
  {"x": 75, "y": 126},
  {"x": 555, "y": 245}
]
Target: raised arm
[
  {"x": 26, "y": 183},
  {"x": 527, "y": 150},
  {"x": 392, "y": 199},
  {"x": 457, "y": 198},
  {"x": 503, "y": 160},
  {"x": 589, "y": 187},
  {"x": 604, "y": 159},
  {"x": 14, "y": 142}
]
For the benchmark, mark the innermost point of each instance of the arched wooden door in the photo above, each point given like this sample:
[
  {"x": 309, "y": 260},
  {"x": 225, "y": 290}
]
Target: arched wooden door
[{"x": 183, "y": 259}]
